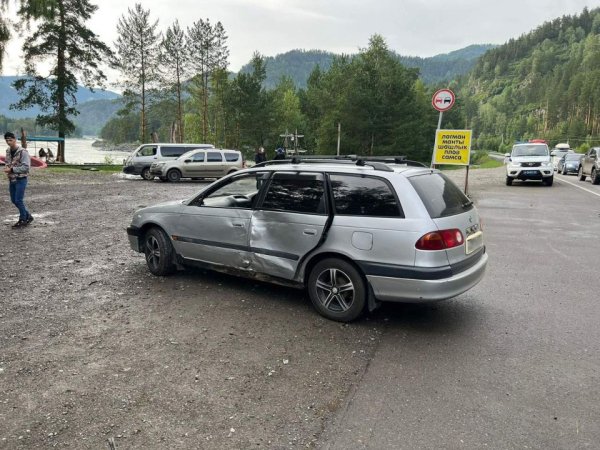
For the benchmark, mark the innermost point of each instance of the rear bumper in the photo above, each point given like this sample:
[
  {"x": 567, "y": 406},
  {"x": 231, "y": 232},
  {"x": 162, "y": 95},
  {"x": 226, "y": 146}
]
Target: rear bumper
[{"x": 412, "y": 290}]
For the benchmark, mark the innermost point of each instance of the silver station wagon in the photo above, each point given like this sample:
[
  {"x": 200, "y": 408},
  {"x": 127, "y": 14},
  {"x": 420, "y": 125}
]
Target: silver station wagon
[{"x": 354, "y": 232}]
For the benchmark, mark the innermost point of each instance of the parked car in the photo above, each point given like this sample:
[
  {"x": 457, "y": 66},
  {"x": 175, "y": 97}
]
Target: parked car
[
  {"x": 352, "y": 232},
  {"x": 590, "y": 165},
  {"x": 140, "y": 160},
  {"x": 529, "y": 161},
  {"x": 558, "y": 152},
  {"x": 569, "y": 163},
  {"x": 206, "y": 163}
]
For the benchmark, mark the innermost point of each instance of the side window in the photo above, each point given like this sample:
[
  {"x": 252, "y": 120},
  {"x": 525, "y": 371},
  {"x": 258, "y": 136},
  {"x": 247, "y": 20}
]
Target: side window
[
  {"x": 363, "y": 196},
  {"x": 148, "y": 150},
  {"x": 240, "y": 191},
  {"x": 232, "y": 157},
  {"x": 169, "y": 151},
  {"x": 214, "y": 157},
  {"x": 302, "y": 192},
  {"x": 198, "y": 157},
  {"x": 593, "y": 152}
]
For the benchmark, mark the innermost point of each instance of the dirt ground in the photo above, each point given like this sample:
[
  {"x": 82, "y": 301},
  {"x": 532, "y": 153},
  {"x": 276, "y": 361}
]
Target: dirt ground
[{"x": 95, "y": 352}]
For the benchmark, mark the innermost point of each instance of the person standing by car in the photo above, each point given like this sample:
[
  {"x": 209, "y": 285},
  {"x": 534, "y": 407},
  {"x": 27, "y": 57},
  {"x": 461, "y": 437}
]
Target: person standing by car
[
  {"x": 17, "y": 171},
  {"x": 280, "y": 153},
  {"x": 260, "y": 155}
]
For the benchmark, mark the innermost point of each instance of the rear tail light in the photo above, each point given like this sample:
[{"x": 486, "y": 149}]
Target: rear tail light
[{"x": 440, "y": 240}]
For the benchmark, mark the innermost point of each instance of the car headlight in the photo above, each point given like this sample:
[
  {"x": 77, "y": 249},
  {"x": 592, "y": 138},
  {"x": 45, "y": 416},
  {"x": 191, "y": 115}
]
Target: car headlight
[{"x": 160, "y": 164}]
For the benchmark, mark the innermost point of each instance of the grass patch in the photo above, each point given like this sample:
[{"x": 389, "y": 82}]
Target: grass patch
[{"x": 66, "y": 168}]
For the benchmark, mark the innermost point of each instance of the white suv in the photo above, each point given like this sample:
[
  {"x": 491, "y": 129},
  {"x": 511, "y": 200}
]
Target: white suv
[{"x": 529, "y": 161}]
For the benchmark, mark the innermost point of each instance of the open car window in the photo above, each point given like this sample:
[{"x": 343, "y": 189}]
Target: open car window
[{"x": 240, "y": 191}]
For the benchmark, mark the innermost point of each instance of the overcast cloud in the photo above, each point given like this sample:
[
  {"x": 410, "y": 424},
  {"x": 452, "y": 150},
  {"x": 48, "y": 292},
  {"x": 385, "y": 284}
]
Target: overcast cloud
[{"x": 410, "y": 27}]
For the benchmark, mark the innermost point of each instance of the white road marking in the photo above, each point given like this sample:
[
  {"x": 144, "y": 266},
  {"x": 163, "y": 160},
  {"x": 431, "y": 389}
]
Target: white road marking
[{"x": 577, "y": 186}]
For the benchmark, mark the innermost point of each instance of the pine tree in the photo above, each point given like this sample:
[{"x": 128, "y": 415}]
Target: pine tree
[
  {"x": 174, "y": 59},
  {"x": 4, "y": 33},
  {"x": 138, "y": 51},
  {"x": 74, "y": 51},
  {"x": 209, "y": 53}
]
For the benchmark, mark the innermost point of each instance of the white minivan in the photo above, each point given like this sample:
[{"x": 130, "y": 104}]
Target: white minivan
[{"x": 140, "y": 160}]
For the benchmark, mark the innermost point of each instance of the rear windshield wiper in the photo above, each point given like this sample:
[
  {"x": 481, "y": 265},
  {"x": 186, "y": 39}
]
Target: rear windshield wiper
[{"x": 467, "y": 204}]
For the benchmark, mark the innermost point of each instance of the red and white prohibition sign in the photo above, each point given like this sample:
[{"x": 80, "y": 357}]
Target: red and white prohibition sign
[{"x": 443, "y": 100}]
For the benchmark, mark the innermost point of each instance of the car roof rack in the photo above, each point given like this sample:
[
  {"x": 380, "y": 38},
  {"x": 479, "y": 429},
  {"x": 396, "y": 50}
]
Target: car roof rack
[{"x": 376, "y": 162}]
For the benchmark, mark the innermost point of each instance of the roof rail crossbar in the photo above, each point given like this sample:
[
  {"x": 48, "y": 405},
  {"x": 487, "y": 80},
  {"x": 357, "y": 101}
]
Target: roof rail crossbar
[{"x": 376, "y": 162}]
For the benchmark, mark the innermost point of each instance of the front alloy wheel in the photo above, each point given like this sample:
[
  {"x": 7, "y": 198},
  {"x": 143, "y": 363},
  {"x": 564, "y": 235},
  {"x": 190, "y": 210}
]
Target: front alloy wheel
[
  {"x": 146, "y": 175},
  {"x": 159, "y": 252},
  {"x": 337, "y": 290}
]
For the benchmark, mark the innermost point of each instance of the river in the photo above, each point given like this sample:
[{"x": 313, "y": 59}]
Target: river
[{"x": 80, "y": 151}]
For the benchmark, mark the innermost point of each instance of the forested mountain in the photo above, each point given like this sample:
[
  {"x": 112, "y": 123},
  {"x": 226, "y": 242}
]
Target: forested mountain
[
  {"x": 545, "y": 84},
  {"x": 9, "y": 95},
  {"x": 298, "y": 65}
]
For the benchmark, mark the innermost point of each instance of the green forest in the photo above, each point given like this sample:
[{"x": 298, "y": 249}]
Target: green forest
[{"x": 177, "y": 87}]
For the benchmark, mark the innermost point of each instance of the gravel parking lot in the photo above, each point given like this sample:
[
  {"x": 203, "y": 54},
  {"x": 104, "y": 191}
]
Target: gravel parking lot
[{"x": 95, "y": 351}]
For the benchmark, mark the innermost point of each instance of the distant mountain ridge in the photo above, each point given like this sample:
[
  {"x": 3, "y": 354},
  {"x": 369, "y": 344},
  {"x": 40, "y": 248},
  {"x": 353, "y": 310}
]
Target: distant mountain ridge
[
  {"x": 9, "y": 95},
  {"x": 298, "y": 64}
]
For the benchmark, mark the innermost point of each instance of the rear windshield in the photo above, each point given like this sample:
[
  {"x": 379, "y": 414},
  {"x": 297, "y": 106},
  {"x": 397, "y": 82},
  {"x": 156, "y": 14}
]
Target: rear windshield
[
  {"x": 573, "y": 156},
  {"x": 440, "y": 195}
]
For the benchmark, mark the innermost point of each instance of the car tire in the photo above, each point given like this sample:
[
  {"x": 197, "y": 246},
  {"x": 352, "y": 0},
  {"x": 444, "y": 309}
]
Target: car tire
[
  {"x": 548, "y": 181},
  {"x": 174, "y": 175},
  {"x": 580, "y": 174},
  {"x": 564, "y": 171},
  {"x": 146, "y": 175},
  {"x": 509, "y": 181},
  {"x": 595, "y": 176},
  {"x": 337, "y": 290},
  {"x": 159, "y": 252}
]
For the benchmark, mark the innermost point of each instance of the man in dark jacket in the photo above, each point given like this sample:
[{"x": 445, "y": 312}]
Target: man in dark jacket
[{"x": 17, "y": 171}]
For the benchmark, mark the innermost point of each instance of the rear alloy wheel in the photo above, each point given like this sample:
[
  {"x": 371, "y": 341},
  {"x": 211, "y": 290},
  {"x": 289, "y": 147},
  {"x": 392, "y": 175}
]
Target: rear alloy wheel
[
  {"x": 173, "y": 175},
  {"x": 159, "y": 252},
  {"x": 581, "y": 175},
  {"x": 509, "y": 181},
  {"x": 146, "y": 175},
  {"x": 337, "y": 290}
]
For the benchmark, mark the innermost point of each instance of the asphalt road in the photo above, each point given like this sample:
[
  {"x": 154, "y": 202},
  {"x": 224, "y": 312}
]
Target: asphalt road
[{"x": 513, "y": 363}]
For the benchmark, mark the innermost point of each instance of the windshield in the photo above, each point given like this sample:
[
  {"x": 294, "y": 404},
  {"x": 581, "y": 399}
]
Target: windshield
[{"x": 530, "y": 150}]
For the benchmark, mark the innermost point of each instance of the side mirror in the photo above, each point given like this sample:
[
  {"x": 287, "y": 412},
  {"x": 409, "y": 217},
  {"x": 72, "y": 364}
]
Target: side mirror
[
  {"x": 552, "y": 153},
  {"x": 188, "y": 161}
]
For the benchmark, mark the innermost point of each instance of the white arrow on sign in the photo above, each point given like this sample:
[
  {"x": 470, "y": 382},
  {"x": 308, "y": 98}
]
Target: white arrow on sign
[{"x": 443, "y": 100}]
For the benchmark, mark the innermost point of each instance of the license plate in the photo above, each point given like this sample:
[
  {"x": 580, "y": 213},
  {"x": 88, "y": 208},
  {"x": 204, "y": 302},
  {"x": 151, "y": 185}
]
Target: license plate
[
  {"x": 530, "y": 172},
  {"x": 474, "y": 242}
]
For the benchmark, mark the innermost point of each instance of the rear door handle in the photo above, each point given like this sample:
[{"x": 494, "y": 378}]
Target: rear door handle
[
  {"x": 309, "y": 231},
  {"x": 238, "y": 224}
]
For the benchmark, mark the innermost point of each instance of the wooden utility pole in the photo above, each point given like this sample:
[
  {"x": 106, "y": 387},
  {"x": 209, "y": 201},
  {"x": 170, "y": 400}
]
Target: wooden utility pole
[{"x": 339, "y": 137}]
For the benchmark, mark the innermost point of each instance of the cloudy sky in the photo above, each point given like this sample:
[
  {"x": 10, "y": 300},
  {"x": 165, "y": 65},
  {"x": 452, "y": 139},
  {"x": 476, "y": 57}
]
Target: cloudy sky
[{"x": 410, "y": 27}]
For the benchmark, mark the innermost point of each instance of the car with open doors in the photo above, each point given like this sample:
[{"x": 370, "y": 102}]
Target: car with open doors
[{"x": 353, "y": 231}]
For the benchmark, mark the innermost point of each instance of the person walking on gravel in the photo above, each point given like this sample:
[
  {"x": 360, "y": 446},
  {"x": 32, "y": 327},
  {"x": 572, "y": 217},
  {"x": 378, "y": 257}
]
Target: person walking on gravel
[{"x": 17, "y": 171}]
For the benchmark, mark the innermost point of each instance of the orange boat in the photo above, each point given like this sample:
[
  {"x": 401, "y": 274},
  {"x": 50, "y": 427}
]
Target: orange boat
[{"x": 35, "y": 162}]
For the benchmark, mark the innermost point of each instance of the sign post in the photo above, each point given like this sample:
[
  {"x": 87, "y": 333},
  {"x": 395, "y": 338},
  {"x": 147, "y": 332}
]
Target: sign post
[{"x": 442, "y": 101}]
